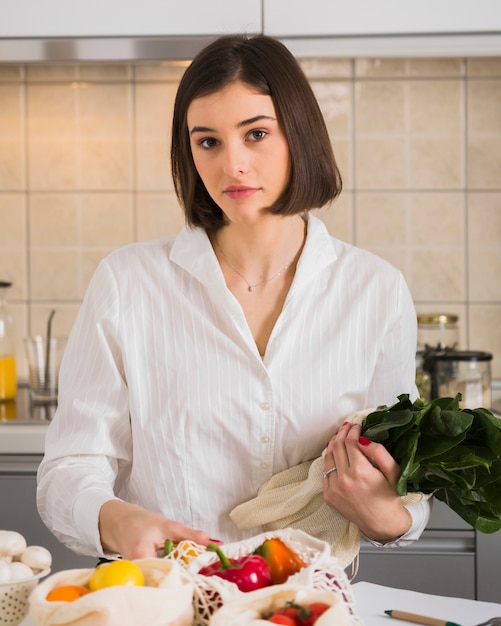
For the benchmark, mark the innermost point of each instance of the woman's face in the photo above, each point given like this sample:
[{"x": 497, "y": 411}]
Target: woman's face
[{"x": 239, "y": 150}]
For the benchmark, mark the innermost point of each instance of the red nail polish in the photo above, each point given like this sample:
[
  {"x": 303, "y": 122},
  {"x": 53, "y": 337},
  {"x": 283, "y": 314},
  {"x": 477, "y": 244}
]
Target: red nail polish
[{"x": 364, "y": 441}]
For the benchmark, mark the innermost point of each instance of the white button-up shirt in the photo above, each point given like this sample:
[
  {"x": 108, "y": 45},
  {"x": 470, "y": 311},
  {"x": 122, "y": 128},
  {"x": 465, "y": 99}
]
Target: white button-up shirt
[{"x": 165, "y": 401}]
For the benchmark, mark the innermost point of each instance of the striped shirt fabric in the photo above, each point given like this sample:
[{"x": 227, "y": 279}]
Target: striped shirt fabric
[{"x": 165, "y": 402}]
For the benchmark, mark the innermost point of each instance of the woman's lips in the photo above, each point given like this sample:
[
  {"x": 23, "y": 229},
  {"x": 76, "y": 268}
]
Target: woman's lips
[{"x": 239, "y": 192}]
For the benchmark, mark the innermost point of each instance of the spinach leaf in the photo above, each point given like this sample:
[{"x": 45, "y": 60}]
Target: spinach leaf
[{"x": 442, "y": 449}]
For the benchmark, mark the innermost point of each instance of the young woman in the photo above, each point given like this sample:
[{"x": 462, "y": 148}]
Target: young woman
[{"x": 202, "y": 364}]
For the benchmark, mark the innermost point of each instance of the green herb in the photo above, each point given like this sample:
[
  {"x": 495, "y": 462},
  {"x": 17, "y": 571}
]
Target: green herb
[{"x": 451, "y": 452}]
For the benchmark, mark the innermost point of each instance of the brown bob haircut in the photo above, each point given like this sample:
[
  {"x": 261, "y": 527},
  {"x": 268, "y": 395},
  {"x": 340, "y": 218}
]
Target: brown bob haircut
[{"x": 267, "y": 66}]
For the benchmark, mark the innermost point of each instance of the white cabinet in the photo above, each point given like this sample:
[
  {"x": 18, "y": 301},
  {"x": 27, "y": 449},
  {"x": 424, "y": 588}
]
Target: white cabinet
[
  {"x": 128, "y": 18},
  {"x": 390, "y": 28},
  {"x": 291, "y": 18}
]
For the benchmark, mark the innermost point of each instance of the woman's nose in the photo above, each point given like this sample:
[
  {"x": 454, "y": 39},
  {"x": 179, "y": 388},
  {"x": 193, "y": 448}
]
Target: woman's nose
[{"x": 235, "y": 161}]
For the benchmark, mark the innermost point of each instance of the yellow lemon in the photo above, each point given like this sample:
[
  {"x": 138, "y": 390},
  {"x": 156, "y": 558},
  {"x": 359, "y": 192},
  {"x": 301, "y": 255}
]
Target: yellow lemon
[{"x": 121, "y": 572}]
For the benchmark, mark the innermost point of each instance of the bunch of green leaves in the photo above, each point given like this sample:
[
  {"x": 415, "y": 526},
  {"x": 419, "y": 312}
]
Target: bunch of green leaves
[{"x": 451, "y": 452}]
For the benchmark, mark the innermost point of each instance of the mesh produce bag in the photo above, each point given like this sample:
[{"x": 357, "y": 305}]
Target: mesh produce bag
[
  {"x": 323, "y": 571},
  {"x": 165, "y": 600}
]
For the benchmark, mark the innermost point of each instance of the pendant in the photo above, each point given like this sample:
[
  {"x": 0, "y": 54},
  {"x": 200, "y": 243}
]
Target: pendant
[{"x": 251, "y": 288}]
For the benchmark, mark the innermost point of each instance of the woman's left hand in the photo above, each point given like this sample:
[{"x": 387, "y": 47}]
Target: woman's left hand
[{"x": 363, "y": 487}]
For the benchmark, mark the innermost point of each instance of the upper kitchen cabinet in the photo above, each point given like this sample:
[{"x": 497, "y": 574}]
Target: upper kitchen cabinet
[
  {"x": 88, "y": 30},
  {"x": 429, "y": 27},
  {"x": 128, "y": 18}
]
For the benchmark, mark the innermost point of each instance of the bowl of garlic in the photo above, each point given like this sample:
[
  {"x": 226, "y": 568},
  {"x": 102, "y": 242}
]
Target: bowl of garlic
[{"x": 21, "y": 567}]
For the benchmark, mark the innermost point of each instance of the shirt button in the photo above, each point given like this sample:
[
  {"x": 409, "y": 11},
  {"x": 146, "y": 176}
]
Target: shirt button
[
  {"x": 264, "y": 465},
  {"x": 265, "y": 406},
  {"x": 265, "y": 439}
]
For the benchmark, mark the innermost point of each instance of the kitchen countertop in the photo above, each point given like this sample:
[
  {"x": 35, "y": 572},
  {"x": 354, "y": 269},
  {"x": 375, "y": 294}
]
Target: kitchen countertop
[{"x": 23, "y": 424}]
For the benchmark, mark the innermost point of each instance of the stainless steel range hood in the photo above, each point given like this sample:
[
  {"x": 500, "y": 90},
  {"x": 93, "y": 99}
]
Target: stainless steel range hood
[
  {"x": 93, "y": 49},
  {"x": 183, "y": 47}
]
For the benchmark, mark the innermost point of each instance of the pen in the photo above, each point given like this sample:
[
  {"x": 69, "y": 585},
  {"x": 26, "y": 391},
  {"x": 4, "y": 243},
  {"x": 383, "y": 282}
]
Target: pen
[{"x": 419, "y": 619}]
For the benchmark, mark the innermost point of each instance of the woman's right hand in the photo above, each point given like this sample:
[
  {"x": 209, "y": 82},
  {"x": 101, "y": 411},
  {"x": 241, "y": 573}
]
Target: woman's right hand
[{"x": 135, "y": 533}]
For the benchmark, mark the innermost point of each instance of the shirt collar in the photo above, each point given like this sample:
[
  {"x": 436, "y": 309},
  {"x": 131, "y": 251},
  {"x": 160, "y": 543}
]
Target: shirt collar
[{"x": 193, "y": 252}]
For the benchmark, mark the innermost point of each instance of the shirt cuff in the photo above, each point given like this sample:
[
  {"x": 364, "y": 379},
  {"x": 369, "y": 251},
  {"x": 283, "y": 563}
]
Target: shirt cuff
[
  {"x": 86, "y": 507},
  {"x": 420, "y": 514}
]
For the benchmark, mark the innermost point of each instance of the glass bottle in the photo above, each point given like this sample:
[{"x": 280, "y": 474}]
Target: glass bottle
[{"x": 8, "y": 379}]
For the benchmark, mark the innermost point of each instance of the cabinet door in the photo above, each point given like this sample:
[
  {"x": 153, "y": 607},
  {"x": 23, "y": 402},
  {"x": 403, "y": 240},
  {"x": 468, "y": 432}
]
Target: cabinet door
[
  {"x": 440, "y": 563},
  {"x": 18, "y": 512},
  {"x": 296, "y": 18},
  {"x": 128, "y": 18}
]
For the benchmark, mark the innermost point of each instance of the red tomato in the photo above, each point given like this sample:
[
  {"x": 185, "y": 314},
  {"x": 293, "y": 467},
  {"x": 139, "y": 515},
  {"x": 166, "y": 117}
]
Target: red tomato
[
  {"x": 285, "y": 620},
  {"x": 316, "y": 610}
]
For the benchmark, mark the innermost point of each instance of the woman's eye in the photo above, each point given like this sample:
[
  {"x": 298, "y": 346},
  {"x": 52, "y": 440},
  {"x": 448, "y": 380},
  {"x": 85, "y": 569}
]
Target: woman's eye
[
  {"x": 207, "y": 143},
  {"x": 257, "y": 135}
]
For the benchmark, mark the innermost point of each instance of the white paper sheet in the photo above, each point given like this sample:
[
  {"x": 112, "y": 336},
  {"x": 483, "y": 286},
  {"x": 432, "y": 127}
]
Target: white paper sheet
[{"x": 373, "y": 600}]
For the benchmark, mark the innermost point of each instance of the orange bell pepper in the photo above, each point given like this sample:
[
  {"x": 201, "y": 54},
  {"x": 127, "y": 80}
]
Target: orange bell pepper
[{"x": 283, "y": 561}]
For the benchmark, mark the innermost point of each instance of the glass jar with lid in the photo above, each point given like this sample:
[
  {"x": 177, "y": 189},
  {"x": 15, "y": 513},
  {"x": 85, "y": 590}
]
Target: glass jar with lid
[
  {"x": 438, "y": 331},
  {"x": 467, "y": 372}
]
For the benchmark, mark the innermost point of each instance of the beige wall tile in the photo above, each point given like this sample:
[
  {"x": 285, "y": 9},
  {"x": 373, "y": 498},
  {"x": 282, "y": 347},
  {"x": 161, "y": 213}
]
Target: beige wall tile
[
  {"x": 326, "y": 68},
  {"x": 436, "y": 163},
  {"x": 54, "y": 219},
  {"x": 437, "y": 219},
  {"x": 422, "y": 235},
  {"x": 11, "y": 72},
  {"x": 13, "y": 243},
  {"x": 393, "y": 67},
  {"x": 372, "y": 68},
  {"x": 380, "y": 163},
  {"x": 105, "y": 164},
  {"x": 12, "y": 125},
  {"x": 54, "y": 274},
  {"x": 484, "y": 133},
  {"x": 108, "y": 72},
  {"x": 484, "y": 163},
  {"x": 379, "y": 135},
  {"x": 154, "y": 106},
  {"x": 170, "y": 71},
  {"x": 53, "y": 165},
  {"x": 485, "y": 322},
  {"x": 12, "y": 165},
  {"x": 484, "y": 247},
  {"x": 52, "y": 111},
  {"x": 106, "y": 219},
  {"x": 105, "y": 111},
  {"x": 13, "y": 268},
  {"x": 51, "y": 72},
  {"x": 158, "y": 216},
  {"x": 335, "y": 100},
  {"x": 438, "y": 275},
  {"x": 12, "y": 220},
  {"x": 380, "y": 109},
  {"x": 481, "y": 66},
  {"x": 421, "y": 123},
  {"x": 339, "y": 217},
  {"x": 484, "y": 220}
]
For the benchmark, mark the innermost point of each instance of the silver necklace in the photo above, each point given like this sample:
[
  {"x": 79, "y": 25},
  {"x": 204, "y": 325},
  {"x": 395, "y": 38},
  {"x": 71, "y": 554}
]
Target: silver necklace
[{"x": 250, "y": 287}]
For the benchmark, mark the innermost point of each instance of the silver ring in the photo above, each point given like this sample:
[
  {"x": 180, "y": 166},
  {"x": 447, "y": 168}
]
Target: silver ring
[{"x": 329, "y": 471}]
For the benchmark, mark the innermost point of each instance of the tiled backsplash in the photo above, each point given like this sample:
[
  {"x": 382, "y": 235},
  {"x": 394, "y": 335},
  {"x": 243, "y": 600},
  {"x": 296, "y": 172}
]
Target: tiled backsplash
[{"x": 84, "y": 168}]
